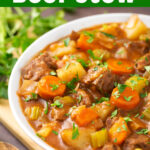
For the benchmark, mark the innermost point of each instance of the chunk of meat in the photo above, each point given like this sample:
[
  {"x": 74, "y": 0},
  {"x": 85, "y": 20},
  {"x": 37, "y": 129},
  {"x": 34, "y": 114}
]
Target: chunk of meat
[
  {"x": 139, "y": 46},
  {"x": 39, "y": 67},
  {"x": 111, "y": 146},
  {"x": 93, "y": 73},
  {"x": 110, "y": 121},
  {"x": 96, "y": 124},
  {"x": 137, "y": 141},
  {"x": 144, "y": 61},
  {"x": 83, "y": 97},
  {"x": 105, "y": 82},
  {"x": 74, "y": 36},
  {"x": 58, "y": 114}
]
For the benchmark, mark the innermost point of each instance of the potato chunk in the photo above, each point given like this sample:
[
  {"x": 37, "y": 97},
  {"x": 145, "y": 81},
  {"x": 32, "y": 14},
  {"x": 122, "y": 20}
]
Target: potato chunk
[
  {"x": 134, "y": 27},
  {"x": 137, "y": 83},
  {"x": 81, "y": 142},
  {"x": 70, "y": 71},
  {"x": 59, "y": 49}
]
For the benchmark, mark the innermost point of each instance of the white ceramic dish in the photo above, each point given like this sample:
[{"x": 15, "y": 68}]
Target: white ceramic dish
[{"x": 41, "y": 43}]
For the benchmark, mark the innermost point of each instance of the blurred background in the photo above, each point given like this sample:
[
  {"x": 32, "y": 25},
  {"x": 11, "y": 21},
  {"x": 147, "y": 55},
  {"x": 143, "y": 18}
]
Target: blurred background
[{"x": 14, "y": 26}]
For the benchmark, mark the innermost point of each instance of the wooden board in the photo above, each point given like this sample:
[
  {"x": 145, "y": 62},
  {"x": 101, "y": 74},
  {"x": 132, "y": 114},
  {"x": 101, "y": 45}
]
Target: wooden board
[{"x": 8, "y": 120}]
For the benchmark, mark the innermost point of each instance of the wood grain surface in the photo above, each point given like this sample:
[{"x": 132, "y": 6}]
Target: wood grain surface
[{"x": 6, "y": 117}]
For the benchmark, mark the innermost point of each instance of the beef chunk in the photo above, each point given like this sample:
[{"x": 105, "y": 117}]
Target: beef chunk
[
  {"x": 83, "y": 97},
  {"x": 105, "y": 82},
  {"x": 141, "y": 63},
  {"x": 74, "y": 36},
  {"x": 139, "y": 46},
  {"x": 58, "y": 114},
  {"x": 92, "y": 74},
  {"x": 137, "y": 141},
  {"x": 96, "y": 124},
  {"x": 111, "y": 146},
  {"x": 39, "y": 67}
]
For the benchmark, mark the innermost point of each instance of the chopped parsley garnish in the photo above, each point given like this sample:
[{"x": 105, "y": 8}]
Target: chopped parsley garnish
[
  {"x": 146, "y": 59},
  {"x": 54, "y": 87},
  {"x": 56, "y": 57},
  {"x": 75, "y": 132},
  {"x": 66, "y": 41},
  {"x": 118, "y": 129},
  {"x": 95, "y": 68},
  {"x": 90, "y": 52},
  {"x": 83, "y": 63},
  {"x": 127, "y": 119},
  {"x": 57, "y": 104},
  {"x": 119, "y": 63},
  {"x": 33, "y": 96},
  {"x": 143, "y": 95},
  {"x": 142, "y": 116},
  {"x": 71, "y": 85},
  {"x": 79, "y": 98},
  {"x": 124, "y": 127},
  {"x": 136, "y": 115},
  {"x": 114, "y": 113},
  {"x": 143, "y": 131},
  {"x": 147, "y": 68},
  {"x": 90, "y": 35},
  {"x": 116, "y": 94},
  {"x": 55, "y": 132},
  {"x": 46, "y": 108},
  {"x": 67, "y": 65},
  {"x": 40, "y": 136},
  {"x": 108, "y": 35},
  {"x": 128, "y": 98},
  {"x": 121, "y": 87},
  {"x": 115, "y": 140},
  {"x": 53, "y": 73},
  {"x": 147, "y": 39},
  {"x": 102, "y": 99}
]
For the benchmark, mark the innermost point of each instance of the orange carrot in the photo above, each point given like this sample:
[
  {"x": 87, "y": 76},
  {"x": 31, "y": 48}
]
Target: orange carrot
[
  {"x": 120, "y": 66},
  {"x": 83, "y": 116},
  {"x": 126, "y": 100},
  {"x": 119, "y": 131},
  {"x": 82, "y": 42},
  {"x": 50, "y": 86}
]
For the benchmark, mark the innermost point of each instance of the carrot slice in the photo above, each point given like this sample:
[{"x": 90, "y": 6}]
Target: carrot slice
[
  {"x": 82, "y": 42},
  {"x": 126, "y": 100},
  {"x": 119, "y": 131},
  {"x": 120, "y": 66},
  {"x": 83, "y": 116},
  {"x": 50, "y": 86}
]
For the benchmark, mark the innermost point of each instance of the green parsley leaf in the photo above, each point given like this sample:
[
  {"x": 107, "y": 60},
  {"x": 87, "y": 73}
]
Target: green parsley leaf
[
  {"x": 57, "y": 104},
  {"x": 83, "y": 63},
  {"x": 40, "y": 136},
  {"x": 143, "y": 131},
  {"x": 55, "y": 132},
  {"x": 143, "y": 95},
  {"x": 54, "y": 87},
  {"x": 121, "y": 87},
  {"x": 147, "y": 68},
  {"x": 115, "y": 140},
  {"x": 90, "y": 35},
  {"x": 114, "y": 113},
  {"x": 90, "y": 52},
  {"x": 66, "y": 41},
  {"x": 75, "y": 132},
  {"x": 67, "y": 65},
  {"x": 46, "y": 108},
  {"x": 53, "y": 73},
  {"x": 119, "y": 63},
  {"x": 116, "y": 94},
  {"x": 103, "y": 99},
  {"x": 95, "y": 68},
  {"x": 79, "y": 98},
  {"x": 108, "y": 35},
  {"x": 33, "y": 96},
  {"x": 127, "y": 119},
  {"x": 128, "y": 98},
  {"x": 71, "y": 85}
]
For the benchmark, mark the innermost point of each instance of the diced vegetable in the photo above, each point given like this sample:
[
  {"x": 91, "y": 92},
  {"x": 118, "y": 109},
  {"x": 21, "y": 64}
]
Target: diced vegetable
[
  {"x": 70, "y": 71},
  {"x": 146, "y": 113},
  {"x": 121, "y": 53},
  {"x": 104, "y": 109},
  {"x": 83, "y": 116},
  {"x": 59, "y": 49},
  {"x": 126, "y": 99},
  {"x": 33, "y": 112},
  {"x": 101, "y": 53},
  {"x": 27, "y": 87},
  {"x": 119, "y": 131},
  {"x": 45, "y": 130},
  {"x": 136, "y": 124},
  {"x": 137, "y": 83},
  {"x": 99, "y": 138},
  {"x": 120, "y": 66},
  {"x": 50, "y": 86},
  {"x": 79, "y": 55},
  {"x": 134, "y": 27},
  {"x": 80, "y": 142},
  {"x": 145, "y": 37},
  {"x": 66, "y": 100}
]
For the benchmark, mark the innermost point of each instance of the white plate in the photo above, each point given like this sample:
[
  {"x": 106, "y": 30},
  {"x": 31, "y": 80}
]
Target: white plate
[{"x": 41, "y": 43}]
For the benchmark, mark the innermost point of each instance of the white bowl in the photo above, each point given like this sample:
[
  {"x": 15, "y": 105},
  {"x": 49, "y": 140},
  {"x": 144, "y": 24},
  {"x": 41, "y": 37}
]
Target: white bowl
[{"x": 41, "y": 43}]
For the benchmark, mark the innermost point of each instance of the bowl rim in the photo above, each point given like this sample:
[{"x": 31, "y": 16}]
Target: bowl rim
[{"x": 16, "y": 70}]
